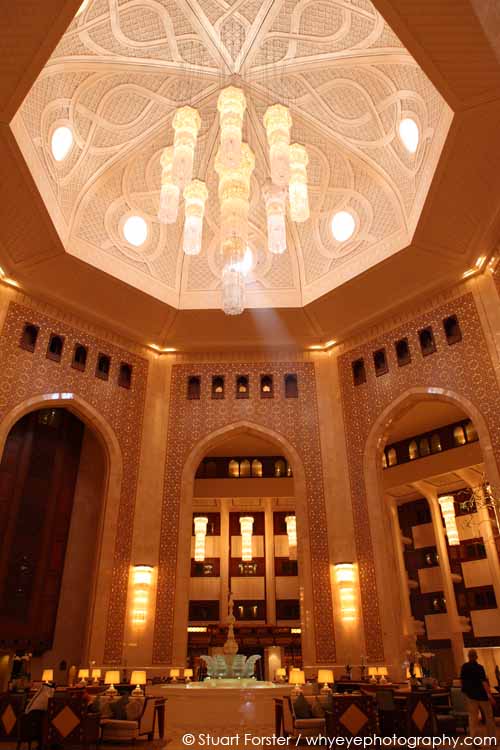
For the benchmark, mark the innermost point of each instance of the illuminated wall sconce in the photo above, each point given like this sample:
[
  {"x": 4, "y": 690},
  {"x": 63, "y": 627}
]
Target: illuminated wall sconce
[
  {"x": 246, "y": 527},
  {"x": 447, "y": 505},
  {"x": 142, "y": 577},
  {"x": 291, "y": 530},
  {"x": 200, "y": 533},
  {"x": 345, "y": 579}
]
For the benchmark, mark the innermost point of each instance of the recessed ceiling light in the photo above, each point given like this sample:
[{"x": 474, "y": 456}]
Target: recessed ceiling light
[
  {"x": 409, "y": 134},
  {"x": 343, "y": 225},
  {"x": 135, "y": 230},
  {"x": 61, "y": 142}
]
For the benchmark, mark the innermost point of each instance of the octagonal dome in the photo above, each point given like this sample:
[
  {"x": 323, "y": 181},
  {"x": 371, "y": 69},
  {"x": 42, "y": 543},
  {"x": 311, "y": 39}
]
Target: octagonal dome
[{"x": 124, "y": 66}]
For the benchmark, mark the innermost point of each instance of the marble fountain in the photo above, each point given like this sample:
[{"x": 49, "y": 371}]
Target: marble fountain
[{"x": 230, "y": 702}]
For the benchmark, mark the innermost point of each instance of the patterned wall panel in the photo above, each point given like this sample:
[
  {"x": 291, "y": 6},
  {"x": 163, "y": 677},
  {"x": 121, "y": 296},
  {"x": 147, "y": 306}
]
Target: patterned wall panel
[
  {"x": 26, "y": 375},
  {"x": 464, "y": 368},
  {"x": 191, "y": 421}
]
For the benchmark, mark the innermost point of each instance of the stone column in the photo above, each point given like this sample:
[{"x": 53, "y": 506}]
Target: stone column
[
  {"x": 407, "y": 617},
  {"x": 455, "y": 624},
  {"x": 269, "y": 563}
]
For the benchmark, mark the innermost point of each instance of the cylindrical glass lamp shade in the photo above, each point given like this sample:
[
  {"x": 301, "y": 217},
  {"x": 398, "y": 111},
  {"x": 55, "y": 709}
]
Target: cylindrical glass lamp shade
[
  {"x": 297, "y": 189},
  {"x": 195, "y": 196},
  {"x": 186, "y": 124},
  {"x": 200, "y": 532},
  {"x": 233, "y": 290},
  {"x": 231, "y": 105},
  {"x": 246, "y": 527},
  {"x": 278, "y": 123},
  {"x": 275, "y": 202},
  {"x": 447, "y": 505},
  {"x": 169, "y": 193}
]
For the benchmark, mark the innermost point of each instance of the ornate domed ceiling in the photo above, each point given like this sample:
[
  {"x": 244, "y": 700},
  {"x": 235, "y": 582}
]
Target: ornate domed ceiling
[{"x": 124, "y": 66}]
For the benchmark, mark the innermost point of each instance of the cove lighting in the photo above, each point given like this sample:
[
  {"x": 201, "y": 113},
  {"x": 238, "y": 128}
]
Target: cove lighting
[
  {"x": 343, "y": 226},
  {"x": 135, "y": 230},
  {"x": 409, "y": 134},
  {"x": 61, "y": 142}
]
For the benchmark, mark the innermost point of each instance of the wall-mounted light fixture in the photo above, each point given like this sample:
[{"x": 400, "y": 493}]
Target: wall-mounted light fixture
[
  {"x": 246, "y": 527},
  {"x": 345, "y": 579},
  {"x": 291, "y": 530},
  {"x": 200, "y": 533},
  {"x": 447, "y": 505},
  {"x": 142, "y": 577}
]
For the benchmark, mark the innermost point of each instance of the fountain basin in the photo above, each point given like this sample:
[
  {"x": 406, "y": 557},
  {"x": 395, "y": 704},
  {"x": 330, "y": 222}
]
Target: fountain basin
[{"x": 225, "y": 683}]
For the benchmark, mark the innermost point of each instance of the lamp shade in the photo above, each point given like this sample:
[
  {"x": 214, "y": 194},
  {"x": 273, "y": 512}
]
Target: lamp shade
[
  {"x": 372, "y": 671},
  {"x": 382, "y": 671},
  {"x": 188, "y": 672},
  {"x": 417, "y": 671},
  {"x": 96, "y": 673},
  {"x": 325, "y": 675},
  {"x": 47, "y": 675},
  {"x": 112, "y": 676},
  {"x": 138, "y": 677},
  {"x": 83, "y": 674},
  {"x": 281, "y": 672},
  {"x": 297, "y": 677},
  {"x": 175, "y": 672}
]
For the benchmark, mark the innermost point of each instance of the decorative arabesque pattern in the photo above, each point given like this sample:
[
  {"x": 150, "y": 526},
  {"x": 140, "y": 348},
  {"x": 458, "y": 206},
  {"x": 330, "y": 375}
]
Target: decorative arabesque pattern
[
  {"x": 464, "y": 368},
  {"x": 123, "y": 67},
  {"x": 190, "y": 421},
  {"x": 26, "y": 375}
]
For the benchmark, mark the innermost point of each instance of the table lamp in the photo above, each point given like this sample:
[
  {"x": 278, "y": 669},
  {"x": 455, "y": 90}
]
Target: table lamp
[
  {"x": 83, "y": 675},
  {"x": 188, "y": 673},
  {"x": 382, "y": 673},
  {"x": 280, "y": 674},
  {"x": 96, "y": 675},
  {"x": 325, "y": 676},
  {"x": 372, "y": 674},
  {"x": 138, "y": 678},
  {"x": 48, "y": 675},
  {"x": 174, "y": 674},
  {"x": 110, "y": 678},
  {"x": 417, "y": 672},
  {"x": 296, "y": 678}
]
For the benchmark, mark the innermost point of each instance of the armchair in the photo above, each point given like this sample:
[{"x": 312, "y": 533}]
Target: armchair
[{"x": 126, "y": 730}]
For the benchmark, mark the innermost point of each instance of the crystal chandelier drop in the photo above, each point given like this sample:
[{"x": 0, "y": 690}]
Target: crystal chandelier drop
[
  {"x": 195, "y": 196},
  {"x": 278, "y": 123},
  {"x": 275, "y": 202},
  {"x": 297, "y": 189},
  {"x": 234, "y": 165},
  {"x": 246, "y": 527},
  {"x": 169, "y": 194},
  {"x": 231, "y": 105},
  {"x": 200, "y": 532},
  {"x": 447, "y": 504},
  {"x": 186, "y": 124}
]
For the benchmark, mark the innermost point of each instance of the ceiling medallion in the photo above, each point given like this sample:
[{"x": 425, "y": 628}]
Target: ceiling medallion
[{"x": 234, "y": 164}]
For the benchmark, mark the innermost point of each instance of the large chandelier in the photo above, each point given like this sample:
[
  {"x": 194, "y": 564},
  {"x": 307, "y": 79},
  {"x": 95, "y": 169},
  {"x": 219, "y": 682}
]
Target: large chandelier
[{"x": 234, "y": 164}]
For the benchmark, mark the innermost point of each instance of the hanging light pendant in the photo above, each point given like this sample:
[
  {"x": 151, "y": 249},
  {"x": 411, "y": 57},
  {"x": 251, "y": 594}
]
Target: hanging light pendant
[
  {"x": 278, "y": 123},
  {"x": 246, "y": 528},
  {"x": 186, "y": 124},
  {"x": 169, "y": 193},
  {"x": 231, "y": 105},
  {"x": 297, "y": 191},
  {"x": 195, "y": 197},
  {"x": 447, "y": 505},
  {"x": 275, "y": 202},
  {"x": 234, "y": 198}
]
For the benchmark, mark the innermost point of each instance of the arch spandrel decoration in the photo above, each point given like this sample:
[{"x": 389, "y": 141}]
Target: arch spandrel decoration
[
  {"x": 30, "y": 379},
  {"x": 295, "y": 423},
  {"x": 464, "y": 370}
]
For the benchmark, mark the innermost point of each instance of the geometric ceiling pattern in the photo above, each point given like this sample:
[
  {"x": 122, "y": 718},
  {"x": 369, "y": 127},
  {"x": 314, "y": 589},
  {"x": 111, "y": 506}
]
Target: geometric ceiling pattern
[{"x": 124, "y": 66}]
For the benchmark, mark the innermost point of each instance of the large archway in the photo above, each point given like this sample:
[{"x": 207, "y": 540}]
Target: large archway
[
  {"x": 397, "y": 617},
  {"x": 92, "y": 528},
  {"x": 198, "y": 452}
]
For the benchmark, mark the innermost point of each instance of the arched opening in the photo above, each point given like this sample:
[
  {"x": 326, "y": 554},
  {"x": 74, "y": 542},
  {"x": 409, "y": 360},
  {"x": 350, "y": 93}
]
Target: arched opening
[
  {"x": 53, "y": 478},
  {"x": 266, "y": 583},
  {"x": 444, "y": 604}
]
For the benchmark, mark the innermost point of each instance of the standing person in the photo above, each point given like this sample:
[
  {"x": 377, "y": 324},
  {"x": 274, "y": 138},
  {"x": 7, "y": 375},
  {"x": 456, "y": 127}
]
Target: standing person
[{"x": 476, "y": 687}]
